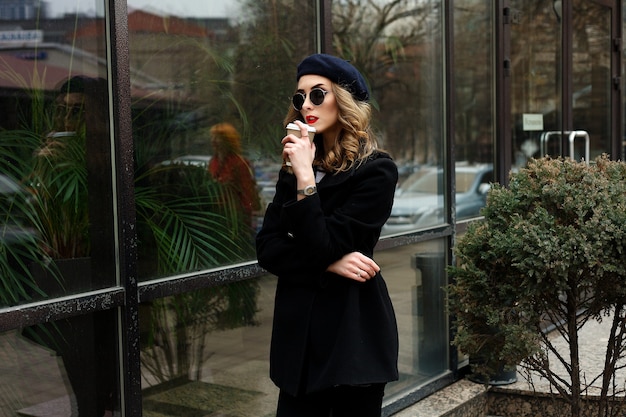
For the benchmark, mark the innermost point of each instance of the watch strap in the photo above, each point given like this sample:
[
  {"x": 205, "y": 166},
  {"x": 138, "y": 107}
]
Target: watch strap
[{"x": 307, "y": 191}]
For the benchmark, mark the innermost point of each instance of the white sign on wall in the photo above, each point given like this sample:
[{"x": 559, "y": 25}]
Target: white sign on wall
[
  {"x": 532, "y": 121},
  {"x": 9, "y": 37}
]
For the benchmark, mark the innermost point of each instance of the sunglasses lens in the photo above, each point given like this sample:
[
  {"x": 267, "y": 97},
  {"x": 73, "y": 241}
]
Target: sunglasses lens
[
  {"x": 317, "y": 96},
  {"x": 298, "y": 101}
]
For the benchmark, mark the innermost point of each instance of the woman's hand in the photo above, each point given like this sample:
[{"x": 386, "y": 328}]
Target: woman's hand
[
  {"x": 300, "y": 151},
  {"x": 355, "y": 266}
]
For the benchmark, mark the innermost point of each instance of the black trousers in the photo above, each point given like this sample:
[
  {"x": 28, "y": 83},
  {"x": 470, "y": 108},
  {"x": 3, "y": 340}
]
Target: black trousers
[{"x": 340, "y": 401}]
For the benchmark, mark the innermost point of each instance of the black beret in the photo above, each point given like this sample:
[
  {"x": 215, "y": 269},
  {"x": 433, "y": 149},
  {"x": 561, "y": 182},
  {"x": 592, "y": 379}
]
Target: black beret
[{"x": 338, "y": 71}]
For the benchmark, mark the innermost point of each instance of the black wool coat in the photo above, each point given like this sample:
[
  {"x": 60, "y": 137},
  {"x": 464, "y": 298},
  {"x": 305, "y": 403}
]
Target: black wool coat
[{"x": 329, "y": 330}]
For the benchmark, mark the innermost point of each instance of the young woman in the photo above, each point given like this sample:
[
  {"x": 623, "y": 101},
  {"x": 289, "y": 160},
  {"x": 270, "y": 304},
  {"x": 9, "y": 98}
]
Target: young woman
[
  {"x": 334, "y": 340},
  {"x": 228, "y": 166}
]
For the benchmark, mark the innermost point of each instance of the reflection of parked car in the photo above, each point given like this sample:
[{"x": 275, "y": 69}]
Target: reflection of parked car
[
  {"x": 266, "y": 172},
  {"x": 419, "y": 199},
  {"x": 201, "y": 161}
]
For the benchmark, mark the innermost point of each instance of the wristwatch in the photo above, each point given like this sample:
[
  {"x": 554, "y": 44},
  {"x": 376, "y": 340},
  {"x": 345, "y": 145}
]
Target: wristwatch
[{"x": 309, "y": 190}]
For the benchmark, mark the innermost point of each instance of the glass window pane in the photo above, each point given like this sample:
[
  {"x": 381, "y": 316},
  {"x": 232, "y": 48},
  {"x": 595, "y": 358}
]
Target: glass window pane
[
  {"x": 399, "y": 53},
  {"x": 592, "y": 80},
  {"x": 623, "y": 99},
  {"x": 67, "y": 367},
  {"x": 209, "y": 97},
  {"x": 536, "y": 105},
  {"x": 474, "y": 101},
  {"x": 207, "y": 352},
  {"x": 416, "y": 278},
  {"x": 550, "y": 120},
  {"x": 197, "y": 121},
  {"x": 56, "y": 206}
]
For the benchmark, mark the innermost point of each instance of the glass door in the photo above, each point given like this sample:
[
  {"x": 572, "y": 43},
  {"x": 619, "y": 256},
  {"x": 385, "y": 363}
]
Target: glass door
[{"x": 561, "y": 83}]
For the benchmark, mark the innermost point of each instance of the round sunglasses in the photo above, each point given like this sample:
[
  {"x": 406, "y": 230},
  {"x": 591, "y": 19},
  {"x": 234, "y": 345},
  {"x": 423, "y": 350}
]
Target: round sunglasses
[{"x": 316, "y": 95}]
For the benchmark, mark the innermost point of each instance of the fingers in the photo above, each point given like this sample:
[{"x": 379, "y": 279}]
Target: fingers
[
  {"x": 293, "y": 138},
  {"x": 301, "y": 148},
  {"x": 355, "y": 276},
  {"x": 362, "y": 267},
  {"x": 364, "y": 274},
  {"x": 304, "y": 132},
  {"x": 355, "y": 266},
  {"x": 366, "y": 264}
]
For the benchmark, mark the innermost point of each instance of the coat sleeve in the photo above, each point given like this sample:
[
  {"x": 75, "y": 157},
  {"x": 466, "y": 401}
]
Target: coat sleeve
[{"x": 299, "y": 239}]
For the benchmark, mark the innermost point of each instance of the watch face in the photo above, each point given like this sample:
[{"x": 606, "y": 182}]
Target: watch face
[{"x": 308, "y": 190}]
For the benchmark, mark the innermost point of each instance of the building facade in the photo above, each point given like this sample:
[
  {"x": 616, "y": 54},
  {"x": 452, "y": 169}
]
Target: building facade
[
  {"x": 22, "y": 9},
  {"x": 128, "y": 280}
]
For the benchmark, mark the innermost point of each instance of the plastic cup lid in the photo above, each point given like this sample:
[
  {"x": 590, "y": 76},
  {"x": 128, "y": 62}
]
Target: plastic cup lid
[{"x": 293, "y": 126}]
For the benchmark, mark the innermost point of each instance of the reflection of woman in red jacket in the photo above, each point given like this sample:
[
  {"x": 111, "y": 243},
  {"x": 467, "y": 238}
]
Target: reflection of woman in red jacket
[{"x": 229, "y": 167}]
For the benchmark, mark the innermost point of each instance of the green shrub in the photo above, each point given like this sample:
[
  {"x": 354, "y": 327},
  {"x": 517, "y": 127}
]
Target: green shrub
[{"x": 550, "y": 252}]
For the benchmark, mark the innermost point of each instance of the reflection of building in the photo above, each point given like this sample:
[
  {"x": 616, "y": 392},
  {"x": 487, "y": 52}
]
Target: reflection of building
[
  {"x": 167, "y": 50},
  {"x": 44, "y": 54},
  {"x": 21, "y": 9}
]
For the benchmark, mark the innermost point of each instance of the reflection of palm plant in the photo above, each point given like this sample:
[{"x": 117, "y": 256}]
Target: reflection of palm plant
[
  {"x": 59, "y": 183},
  {"x": 50, "y": 222},
  {"x": 56, "y": 174},
  {"x": 22, "y": 241},
  {"x": 187, "y": 221},
  {"x": 182, "y": 222}
]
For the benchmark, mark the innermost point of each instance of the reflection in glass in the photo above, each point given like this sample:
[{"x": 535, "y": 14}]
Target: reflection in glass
[
  {"x": 416, "y": 279},
  {"x": 537, "y": 100},
  {"x": 591, "y": 78},
  {"x": 206, "y": 352},
  {"x": 56, "y": 211},
  {"x": 67, "y": 367},
  {"x": 399, "y": 52},
  {"x": 418, "y": 202},
  {"x": 473, "y": 78},
  {"x": 201, "y": 189},
  {"x": 201, "y": 353},
  {"x": 56, "y": 198},
  {"x": 178, "y": 326},
  {"x": 208, "y": 102},
  {"x": 535, "y": 82}
]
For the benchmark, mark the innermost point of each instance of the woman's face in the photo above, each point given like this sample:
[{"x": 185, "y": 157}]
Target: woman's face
[
  {"x": 324, "y": 117},
  {"x": 70, "y": 112}
]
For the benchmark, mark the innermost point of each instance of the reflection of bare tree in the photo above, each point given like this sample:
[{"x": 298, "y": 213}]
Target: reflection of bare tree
[
  {"x": 275, "y": 35},
  {"x": 397, "y": 45},
  {"x": 473, "y": 77}
]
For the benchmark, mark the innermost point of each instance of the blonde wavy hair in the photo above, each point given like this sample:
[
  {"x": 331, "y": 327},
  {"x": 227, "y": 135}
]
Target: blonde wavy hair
[{"x": 355, "y": 142}]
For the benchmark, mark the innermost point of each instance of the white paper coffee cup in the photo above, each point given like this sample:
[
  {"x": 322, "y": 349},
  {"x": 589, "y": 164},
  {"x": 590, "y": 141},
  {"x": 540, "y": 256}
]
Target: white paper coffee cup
[{"x": 293, "y": 128}]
